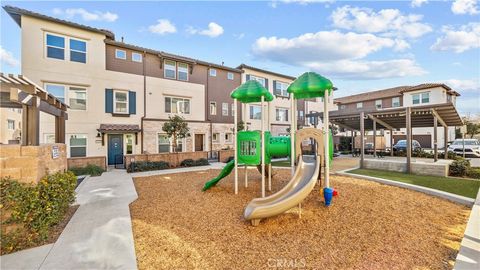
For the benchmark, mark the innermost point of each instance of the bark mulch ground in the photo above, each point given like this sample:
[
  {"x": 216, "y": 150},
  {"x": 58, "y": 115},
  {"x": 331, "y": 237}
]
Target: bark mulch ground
[{"x": 369, "y": 226}]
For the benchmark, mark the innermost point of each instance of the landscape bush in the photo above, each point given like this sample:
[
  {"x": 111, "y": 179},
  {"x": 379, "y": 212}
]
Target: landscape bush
[
  {"x": 474, "y": 172},
  {"x": 191, "y": 163},
  {"x": 459, "y": 167},
  {"x": 142, "y": 166},
  {"x": 201, "y": 162},
  {"x": 28, "y": 211},
  {"x": 90, "y": 169}
]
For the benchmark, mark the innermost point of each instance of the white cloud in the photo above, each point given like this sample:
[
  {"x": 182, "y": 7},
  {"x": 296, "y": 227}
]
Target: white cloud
[
  {"x": 359, "y": 70},
  {"x": 463, "y": 85},
  {"x": 320, "y": 46},
  {"x": 7, "y": 58},
  {"x": 214, "y": 30},
  {"x": 465, "y": 7},
  {"x": 338, "y": 54},
  {"x": 86, "y": 15},
  {"x": 388, "y": 22},
  {"x": 465, "y": 38},
  {"x": 162, "y": 27},
  {"x": 239, "y": 36},
  {"x": 418, "y": 3}
]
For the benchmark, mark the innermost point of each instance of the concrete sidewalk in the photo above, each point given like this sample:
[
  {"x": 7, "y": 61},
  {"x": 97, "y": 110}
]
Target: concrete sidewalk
[{"x": 99, "y": 235}]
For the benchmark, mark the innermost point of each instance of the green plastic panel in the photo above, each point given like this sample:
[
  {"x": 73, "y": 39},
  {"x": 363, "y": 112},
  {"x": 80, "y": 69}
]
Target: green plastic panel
[{"x": 279, "y": 146}]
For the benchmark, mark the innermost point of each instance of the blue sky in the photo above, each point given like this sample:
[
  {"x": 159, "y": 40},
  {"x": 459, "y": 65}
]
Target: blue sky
[{"x": 359, "y": 45}]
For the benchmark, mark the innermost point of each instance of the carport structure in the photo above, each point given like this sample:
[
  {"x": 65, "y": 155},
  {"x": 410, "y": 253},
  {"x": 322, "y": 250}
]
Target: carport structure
[
  {"x": 392, "y": 119},
  {"x": 17, "y": 91}
]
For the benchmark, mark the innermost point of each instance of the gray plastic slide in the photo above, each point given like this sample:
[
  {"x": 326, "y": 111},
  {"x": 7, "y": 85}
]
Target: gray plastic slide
[{"x": 290, "y": 196}]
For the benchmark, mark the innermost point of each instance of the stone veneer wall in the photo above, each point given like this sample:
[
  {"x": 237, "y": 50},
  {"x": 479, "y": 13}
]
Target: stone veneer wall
[
  {"x": 222, "y": 129},
  {"x": 174, "y": 159},
  {"x": 29, "y": 164},
  {"x": 80, "y": 162},
  {"x": 423, "y": 168}
]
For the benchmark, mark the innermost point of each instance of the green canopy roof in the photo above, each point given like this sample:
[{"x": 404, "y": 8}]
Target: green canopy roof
[
  {"x": 310, "y": 85},
  {"x": 251, "y": 91}
]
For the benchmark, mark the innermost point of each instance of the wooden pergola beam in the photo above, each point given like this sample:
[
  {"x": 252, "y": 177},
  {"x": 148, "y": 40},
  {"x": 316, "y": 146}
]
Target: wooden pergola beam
[
  {"x": 439, "y": 119},
  {"x": 381, "y": 122}
]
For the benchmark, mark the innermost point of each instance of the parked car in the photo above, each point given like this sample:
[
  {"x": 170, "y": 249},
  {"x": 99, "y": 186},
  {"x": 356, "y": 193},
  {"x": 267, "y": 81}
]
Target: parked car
[
  {"x": 472, "y": 147},
  {"x": 401, "y": 146},
  {"x": 368, "y": 148}
]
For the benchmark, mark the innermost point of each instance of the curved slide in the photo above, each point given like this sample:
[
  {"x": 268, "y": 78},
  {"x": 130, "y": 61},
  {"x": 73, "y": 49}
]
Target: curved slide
[
  {"x": 225, "y": 171},
  {"x": 291, "y": 195}
]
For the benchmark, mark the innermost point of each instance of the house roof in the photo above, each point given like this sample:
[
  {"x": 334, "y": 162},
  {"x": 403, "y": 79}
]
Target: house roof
[
  {"x": 392, "y": 92},
  {"x": 16, "y": 14},
  {"x": 242, "y": 66},
  {"x": 170, "y": 55}
]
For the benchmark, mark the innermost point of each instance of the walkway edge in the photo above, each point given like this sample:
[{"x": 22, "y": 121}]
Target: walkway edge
[{"x": 430, "y": 191}]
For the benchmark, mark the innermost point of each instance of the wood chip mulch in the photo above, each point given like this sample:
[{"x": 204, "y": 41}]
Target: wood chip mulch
[{"x": 369, "y": 226}]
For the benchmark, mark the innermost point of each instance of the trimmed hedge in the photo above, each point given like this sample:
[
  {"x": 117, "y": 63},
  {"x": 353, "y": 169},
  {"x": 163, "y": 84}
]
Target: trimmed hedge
[
  {"x": 90, "y": 169},
  {"x": 142, "y": 166},
  {"x": 29, "y": 211},
  {"x": 191, "y": 163},
  {"x": 474, "y": 172},
  {"x": 459, "y": 167}
]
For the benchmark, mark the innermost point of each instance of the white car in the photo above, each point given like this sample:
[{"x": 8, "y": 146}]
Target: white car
[{"x": 472, "y": 147}]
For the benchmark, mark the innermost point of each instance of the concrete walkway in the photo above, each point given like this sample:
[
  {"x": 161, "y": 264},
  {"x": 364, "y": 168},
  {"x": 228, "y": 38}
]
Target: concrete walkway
[{"x": 99, "y": 235}]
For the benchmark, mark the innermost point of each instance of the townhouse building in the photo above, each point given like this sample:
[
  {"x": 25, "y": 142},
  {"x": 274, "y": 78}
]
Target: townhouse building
[
  {"x": 11, "y": 125},
  {"x": 400, "y": 97}
]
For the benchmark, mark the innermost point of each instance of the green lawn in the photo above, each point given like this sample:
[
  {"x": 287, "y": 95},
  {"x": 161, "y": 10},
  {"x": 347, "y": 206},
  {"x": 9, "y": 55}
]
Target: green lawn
[{"x": 463, "y": 187}]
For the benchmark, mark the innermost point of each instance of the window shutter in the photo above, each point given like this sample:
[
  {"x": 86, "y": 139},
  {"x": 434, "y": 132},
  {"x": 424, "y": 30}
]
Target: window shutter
[
  {"x": 266, "y": 84},
  {"x": 286, "y": 115},
  {"x": 248, "y": 77},
  {"x": 132, "y": 102},
  {"x": 275, "y": 91},
  {"x": 168, "y": 106},
  {"x": 109, "y": 100}
]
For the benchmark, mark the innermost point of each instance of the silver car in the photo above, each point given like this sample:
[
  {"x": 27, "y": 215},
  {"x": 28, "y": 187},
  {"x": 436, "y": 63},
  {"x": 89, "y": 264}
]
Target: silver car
[{"x": 472, "y": 147}]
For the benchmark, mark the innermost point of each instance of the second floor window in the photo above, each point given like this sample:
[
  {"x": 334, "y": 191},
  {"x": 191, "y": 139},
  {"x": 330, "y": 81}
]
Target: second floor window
[
  {"x": 182, "y": 72},
  {"x": 120, "y": 54},
  {"x": 10, "y": 124},
  {"x": 120, "y": 104},
  {"x": 64, "y": 47},
  {"x": 261, "y": 80},
  {"x": 255, "y": 112},
  {"x": 280, "y": 89},
  {"x": 225, "y": 109},
  {"x": 77, "y": 98},
  {"x": 378, "y": 104},
  {"x": 396, "y": 102},
  {"x": 359, "y": 105},
  {"x": 230, "y": 76},
  {"x": 55, "y": 47},
  {"x": 213, "y": 108},
  {"x": 421, "y": 98},
  {"x": 78, "y": 51},
  {"x": 281, "y": 115},
  {"x": 136, "y": 57},
  {"x": 57, "y": 90},
  {"x": 213, "y": 72},
  {"x": 170, "y": 69},
  {"x": 177, "y": 105}
]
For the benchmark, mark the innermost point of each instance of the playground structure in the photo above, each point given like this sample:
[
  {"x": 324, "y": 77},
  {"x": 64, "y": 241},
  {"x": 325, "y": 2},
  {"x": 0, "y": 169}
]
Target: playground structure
[{"x": 248, "y": 143}]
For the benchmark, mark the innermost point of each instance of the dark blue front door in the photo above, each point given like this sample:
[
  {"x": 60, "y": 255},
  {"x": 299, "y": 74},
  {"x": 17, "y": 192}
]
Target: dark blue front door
[{"x": 115, "y": 149}]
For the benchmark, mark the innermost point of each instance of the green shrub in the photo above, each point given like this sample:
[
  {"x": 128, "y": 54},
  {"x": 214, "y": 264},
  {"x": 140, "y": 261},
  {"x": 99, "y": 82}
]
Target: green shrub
[
  {"x": 474, "y": 172},
  {"x": 459, "y": 167},
  {"x": 29, "y": 211},
  {"x": 142, "y": 166},
  {"x": 90, "y": 169},
  {"x": 188, "y": 163},
  {"x": 201, "y": 162}
]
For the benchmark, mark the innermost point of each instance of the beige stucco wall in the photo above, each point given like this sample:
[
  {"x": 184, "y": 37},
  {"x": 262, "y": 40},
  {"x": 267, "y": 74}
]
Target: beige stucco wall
[{"x": 7, "y": 134}]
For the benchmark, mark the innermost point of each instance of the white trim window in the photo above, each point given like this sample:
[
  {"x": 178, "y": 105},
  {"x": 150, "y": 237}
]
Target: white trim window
[
  {"x": 215, "y": 137},
  {"x": 255, "y": 112},
  {"x": 421, "y": 98},
  {"x": 230, "y": 76},
  {"x": 57, "y": 90},
  {"x": 281, "y": 114},
  {"x": 359, "y": 105},
  {"x": 177, "y": 105},
  {"x": 78, "y": 145},
  {"x": 163, "y": 143},
  {"x": 225, "y": 109},
  {"x": 213, "y": 108},
  {"x": 120, "y": 54},
  {"x": 78, "y": 50},
  {"x": 395, "y": 102},
  {"x": 77, "y": 98},
  {"x": 10, "y": 124},
  {"x": 259, "y": 79},
  {"x": 182, "y": 71},
  {"x": 129, "y": 147},
  {"x": 281, "y": 89},
  {"x": 213, "y": 72},
  {"x": 120, "y": 102},
  {"x": 378, "y": 104},
  {"x": 228, "y": 137},
  {"x": 170, "y": 69},
  {"x": 137, "y": 57},
  {"x": 55, "y": 46}
]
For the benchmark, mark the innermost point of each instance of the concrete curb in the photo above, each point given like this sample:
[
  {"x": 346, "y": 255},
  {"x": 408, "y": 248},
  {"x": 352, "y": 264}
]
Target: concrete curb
[{"x": 437, "y": 193}]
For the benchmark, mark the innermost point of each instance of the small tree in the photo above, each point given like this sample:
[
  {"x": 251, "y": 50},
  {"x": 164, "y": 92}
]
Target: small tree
[
  {"x": 240, "y": 126},
  {"x": 176, "y": 128},
  {"x": 472, "y": 128}
]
